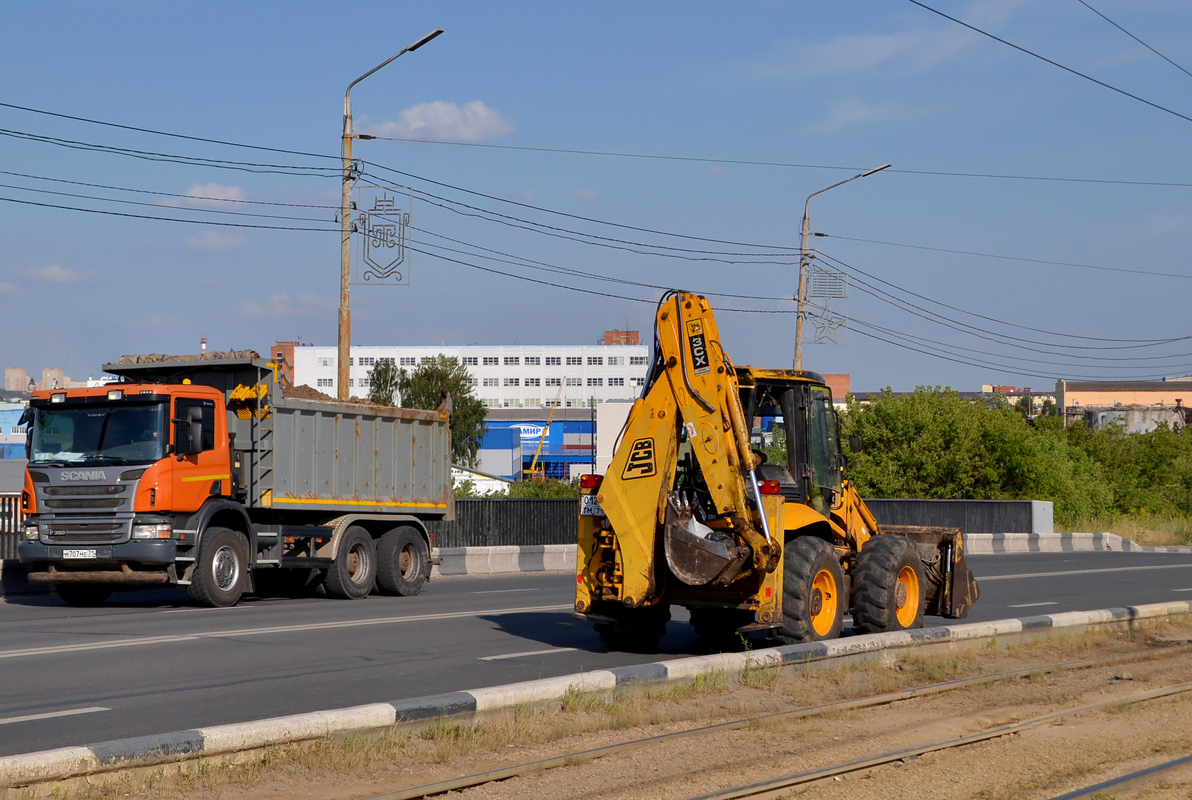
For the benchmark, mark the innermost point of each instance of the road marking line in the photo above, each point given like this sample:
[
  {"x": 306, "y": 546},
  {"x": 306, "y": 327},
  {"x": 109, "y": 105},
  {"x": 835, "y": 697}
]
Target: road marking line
[
  {"x": 1181, "y": 590},
  {"x": 1080, "y": 572},
  {"x": 313, "y": 626},
  {"x": 546, "y": 652},
  {"x": 1032, "y": 605},
  {"x": 52, "y": 714},
  {"x": 505, "y": 591}
]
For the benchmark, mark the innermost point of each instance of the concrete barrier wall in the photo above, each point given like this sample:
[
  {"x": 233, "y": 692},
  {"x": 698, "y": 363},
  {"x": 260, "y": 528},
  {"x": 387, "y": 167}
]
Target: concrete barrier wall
[{"x": 971, "y": 516}]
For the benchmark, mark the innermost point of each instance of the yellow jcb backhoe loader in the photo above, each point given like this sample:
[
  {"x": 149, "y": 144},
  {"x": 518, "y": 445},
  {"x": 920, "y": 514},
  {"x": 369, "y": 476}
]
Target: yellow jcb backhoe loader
[{"x": 690, "y": 514}]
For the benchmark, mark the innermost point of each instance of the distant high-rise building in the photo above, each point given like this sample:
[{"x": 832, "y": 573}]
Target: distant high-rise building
[{"x": 16, "y": 379}]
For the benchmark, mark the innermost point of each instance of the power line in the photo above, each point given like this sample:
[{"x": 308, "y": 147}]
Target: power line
[
  {"x": 1077, "y": 73},
  {"x": 1133, "y": 343},
  {"x": 1135, "y": 38},
  {"x": 162, "y": 219},
  {"x": 1004, "y": 257},
  {"x": 165, "y": 194}
]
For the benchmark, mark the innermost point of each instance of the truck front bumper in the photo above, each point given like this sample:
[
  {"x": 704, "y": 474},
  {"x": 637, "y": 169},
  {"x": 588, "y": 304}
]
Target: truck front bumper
[{"x": 133, "y": 562}]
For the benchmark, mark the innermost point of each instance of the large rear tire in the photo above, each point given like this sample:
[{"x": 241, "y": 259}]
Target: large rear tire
[
  {"x": 353, "y": 572},
  {"x": 812, "y": 591},
  {"x": 221, "y": 570},
  {"x": 83, "y": 595},
  {"x": 889, "y": 589},
  {"x": 403, "y": 563}
]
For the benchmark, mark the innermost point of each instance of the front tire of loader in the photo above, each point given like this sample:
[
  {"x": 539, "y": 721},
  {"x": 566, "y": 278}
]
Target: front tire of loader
[
  {"x": 889, "y": 589},
  {"x": 637, "y": 630},
  {"x": 812, "y": 591}
]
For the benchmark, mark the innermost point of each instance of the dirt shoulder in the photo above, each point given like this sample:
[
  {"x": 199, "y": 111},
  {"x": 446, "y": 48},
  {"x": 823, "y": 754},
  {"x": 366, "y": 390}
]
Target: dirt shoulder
[{"x": 1038, "y": 763}]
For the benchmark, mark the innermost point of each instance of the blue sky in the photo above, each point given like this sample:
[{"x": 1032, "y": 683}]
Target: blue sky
[{"x": 836, "y": 87}]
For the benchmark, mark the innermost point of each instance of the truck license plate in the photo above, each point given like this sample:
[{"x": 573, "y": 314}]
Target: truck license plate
[
  {"x": 78, "y": 554},
  {"x": 588, "y": 507}
]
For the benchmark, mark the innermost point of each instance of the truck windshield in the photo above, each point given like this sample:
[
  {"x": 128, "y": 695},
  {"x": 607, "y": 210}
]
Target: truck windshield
[{"x": 121, "y": 433}]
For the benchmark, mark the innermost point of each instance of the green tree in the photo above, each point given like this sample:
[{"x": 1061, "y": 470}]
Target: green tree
[
  {"x": 424, "y": 387},
  {"x": 548, "y": 487},
  {"x": 382, "y": 383}
]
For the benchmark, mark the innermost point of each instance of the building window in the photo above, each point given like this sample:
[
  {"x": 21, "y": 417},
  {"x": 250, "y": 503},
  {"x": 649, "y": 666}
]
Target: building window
[
  {"x": 512, "y": 381},
  {"x": 491, "y": 361},
  {"x": 367, "y": 361},
  {"x": 575, "y": 382},
  {"x": 326, "y": 362},
  {"x": 595, "y": 361},
  {"x": 426, "y": 359},
  {"x": 638, "y": 381},
  {"x": 512, "y": 361},
  {"x": 364, "y": 382},
  {"x": 616, "y": 361},
  {"x": 491, "y": 402},
  {"x": 473, "y": 382},
  {"x": 595, "y": 381},
  {"x": 533, "y": 361},
  {"x": 471, "y": 361},
  {"x": 280, "y": 355},
  {"x": 616, "y": 381},
  {"x": 533, "y": 403},
  {"x": 492, "y": 381},
  {"x": 533, "y": 381},
  {"x": 553, "y": 361},
  {"x": 554, "y": 381},
  {"x": 574, "y": 361},
  {"x": 326, "y": 383},
  {"x": 408, "y": 361},
  {"x": 388, "y": 361},
  {"x": 637, "y": 361}
]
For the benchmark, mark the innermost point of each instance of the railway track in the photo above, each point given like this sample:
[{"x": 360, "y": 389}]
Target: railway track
[
  {"x": 777, "y": 786},
  {"x": 1129, "y": 781}
]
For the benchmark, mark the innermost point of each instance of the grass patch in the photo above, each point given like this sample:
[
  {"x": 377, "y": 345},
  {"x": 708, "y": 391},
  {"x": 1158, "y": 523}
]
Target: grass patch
[{"x": 1158, "y": 530}]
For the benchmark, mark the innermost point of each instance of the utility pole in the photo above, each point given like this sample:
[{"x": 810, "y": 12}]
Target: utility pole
[
  {"x": 343, "y": 370},
  {"x": 805, "y": 261}
]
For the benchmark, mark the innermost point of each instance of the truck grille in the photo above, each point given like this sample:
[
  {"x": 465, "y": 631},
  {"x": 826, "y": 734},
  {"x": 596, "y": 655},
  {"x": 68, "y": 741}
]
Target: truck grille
[{"x": 86, "y": 533}]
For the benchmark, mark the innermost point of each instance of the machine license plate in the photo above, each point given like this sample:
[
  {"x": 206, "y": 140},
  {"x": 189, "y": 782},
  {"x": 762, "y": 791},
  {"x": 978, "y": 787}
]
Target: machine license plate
[
  {"x": 78, "y": 554},
  {"x": 588, "y": 507}
]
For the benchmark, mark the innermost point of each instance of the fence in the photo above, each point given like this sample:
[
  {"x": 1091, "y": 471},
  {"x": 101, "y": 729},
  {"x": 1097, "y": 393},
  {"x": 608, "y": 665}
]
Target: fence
[
  {"x": 484, "y": 522},
  {"x": 971, "y": 516},
  {"x": 10, "y": 525}
]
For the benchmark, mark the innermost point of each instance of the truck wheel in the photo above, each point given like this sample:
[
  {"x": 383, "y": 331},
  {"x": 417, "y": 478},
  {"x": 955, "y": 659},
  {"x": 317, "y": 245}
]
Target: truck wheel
[
  {"x": 354, "y": 571},
  {"x": 718, "y": 626},
  {"x": 82, "y": 595},
  {"x": 888, "y": 586},
  {"x": 812, "y": 591},
  {"x": 637, "y": 630},
  {"x": 403, "y": 563},
  {"x": 221, "y": 569}
]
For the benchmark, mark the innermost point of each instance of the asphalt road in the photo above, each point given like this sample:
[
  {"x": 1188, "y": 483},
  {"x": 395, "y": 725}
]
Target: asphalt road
[{"x": 147, "y": 662}]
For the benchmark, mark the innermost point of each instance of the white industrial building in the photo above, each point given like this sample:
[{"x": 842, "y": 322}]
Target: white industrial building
[{"x": 506, "y": 376}]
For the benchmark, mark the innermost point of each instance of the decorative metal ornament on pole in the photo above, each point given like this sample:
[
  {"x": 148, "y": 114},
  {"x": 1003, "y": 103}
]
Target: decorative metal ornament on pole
[
  {"x": 805, "y": 258},
  {"x": 343, "y": 365}
]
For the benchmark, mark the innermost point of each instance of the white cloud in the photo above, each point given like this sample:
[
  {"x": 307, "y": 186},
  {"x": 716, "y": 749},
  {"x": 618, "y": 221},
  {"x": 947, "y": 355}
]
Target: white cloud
[
  {"x": 852, "y": 112},
  {"x": 7, "y": 287},
  {"x": 472, "y": 122},
  {"x": 216, "y": 241},
  {"x": 208, "y": 195},
  {"x": 55, "y": 274},
  {"x": 287, "y": 305}
]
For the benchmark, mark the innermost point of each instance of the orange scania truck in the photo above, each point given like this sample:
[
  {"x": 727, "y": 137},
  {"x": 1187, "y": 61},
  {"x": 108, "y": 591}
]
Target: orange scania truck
[{"x": 203, "y": 471}]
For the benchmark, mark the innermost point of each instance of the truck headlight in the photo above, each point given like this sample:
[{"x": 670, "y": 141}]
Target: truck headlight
[
  {"x": 154, "y": 531},
  {"x": 31, "y": 532}
]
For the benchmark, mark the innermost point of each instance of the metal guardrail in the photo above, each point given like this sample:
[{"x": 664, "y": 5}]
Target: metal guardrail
[
  {"x": 485, "y": 522},
  {"x": 10, "y": 524}
]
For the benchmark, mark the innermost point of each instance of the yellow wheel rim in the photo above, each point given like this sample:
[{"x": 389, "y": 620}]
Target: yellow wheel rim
[
  {"x": 907, "y": 597},
  {"x": 824, "y": 602}
]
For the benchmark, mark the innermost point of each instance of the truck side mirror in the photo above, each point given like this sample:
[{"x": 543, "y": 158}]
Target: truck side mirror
[
  {"x": 854, "y": 443},
  {"x": 188, "y": 433}
]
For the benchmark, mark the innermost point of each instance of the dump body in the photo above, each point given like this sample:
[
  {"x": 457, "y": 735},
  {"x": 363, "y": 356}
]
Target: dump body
[
  {"x": 125, "y": 480},
  {"x": 690, "y": 513}
]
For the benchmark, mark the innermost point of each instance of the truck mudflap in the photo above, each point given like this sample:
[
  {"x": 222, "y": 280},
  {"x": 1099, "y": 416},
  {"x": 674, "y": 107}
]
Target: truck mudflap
[{"x": 951, "y": 587}]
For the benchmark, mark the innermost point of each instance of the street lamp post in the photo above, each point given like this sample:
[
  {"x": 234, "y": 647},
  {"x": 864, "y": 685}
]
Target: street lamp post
[
  {"x": 804, "y": 261},
  {"x": 345, "y": 216}
]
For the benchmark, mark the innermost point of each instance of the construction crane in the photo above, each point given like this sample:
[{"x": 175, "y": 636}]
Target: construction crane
[{"x": 535, "y": 473}]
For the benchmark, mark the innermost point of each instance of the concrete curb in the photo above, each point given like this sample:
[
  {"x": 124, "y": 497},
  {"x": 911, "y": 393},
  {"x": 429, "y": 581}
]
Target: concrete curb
[
  {"x": 71, "y": 762},
  {"x": 978, "y": 544}
]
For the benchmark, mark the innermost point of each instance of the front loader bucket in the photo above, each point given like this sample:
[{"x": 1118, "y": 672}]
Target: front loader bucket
[{"x": 951, "y": 587}]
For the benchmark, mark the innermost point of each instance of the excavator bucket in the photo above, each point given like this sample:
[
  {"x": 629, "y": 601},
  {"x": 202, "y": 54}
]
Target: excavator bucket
[
  {"x": 951, "y": 587},
  {"x": 695, "y": 553}
]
